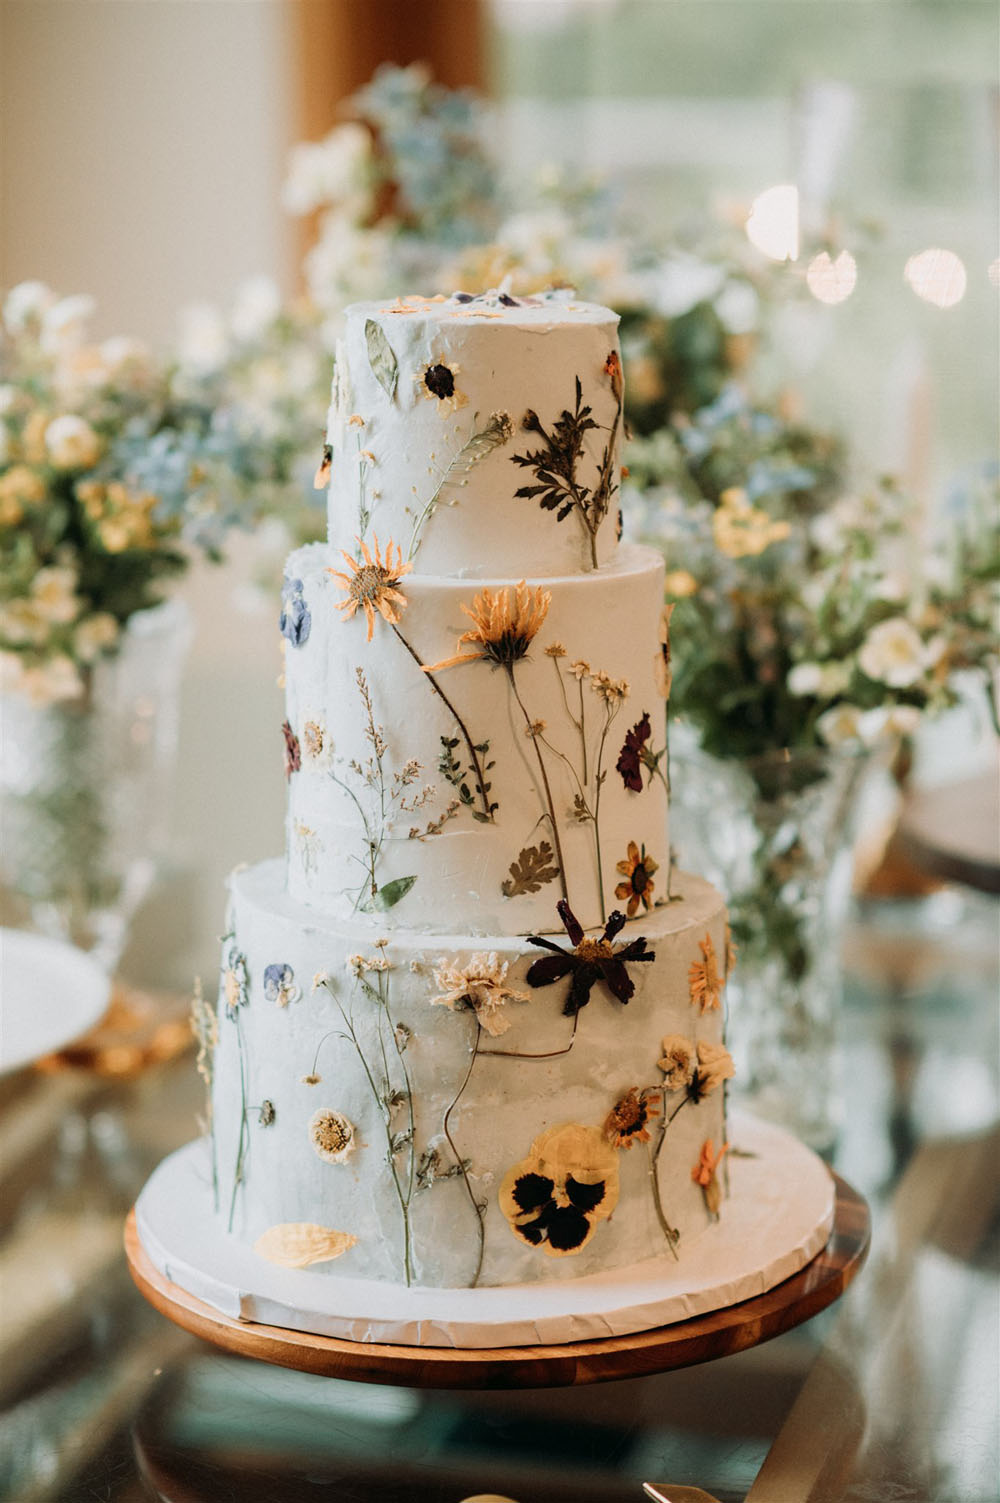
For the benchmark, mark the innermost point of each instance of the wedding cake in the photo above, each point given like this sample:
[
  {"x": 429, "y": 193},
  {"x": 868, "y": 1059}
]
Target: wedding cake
[{"x": 470, "y": 1031}]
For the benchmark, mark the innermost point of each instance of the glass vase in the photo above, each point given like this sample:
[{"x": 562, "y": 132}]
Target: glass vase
[
  {"x": 85, "y": 787},
  {"x": 774, "y": 834}
]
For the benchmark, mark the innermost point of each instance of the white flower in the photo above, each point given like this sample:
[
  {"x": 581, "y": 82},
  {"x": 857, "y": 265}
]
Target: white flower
[
  {"x": 892, "y": 586},
  {"x": 25, "y": 303},
  {"x": 479, "y": 984},
  {"x": 63, "y": 321},
  {"x": 120, "y": 353},
  {"x": 53, "y": 591},
  {"x": 888, "y": 721},
  {"x": 840, "y": 724},
  {"x": 202, "y": 343},
  {"x": 805, "y": 679},
  {"x": 893, "y": 653},
  {"x": 56, "y": 680},
  {"x": 256, "y": 306},
  {"x": 72, "y": 443},
  {"x": 331, "y": 1135},
  {"x": 331, "y": 171},
  {"x": 94, "y": 635}
]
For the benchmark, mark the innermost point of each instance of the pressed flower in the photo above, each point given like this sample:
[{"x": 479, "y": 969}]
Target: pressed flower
[
  {"x": 322, "y": 475},
  {"x": 591, "y": 960},
  {"x": 555, "y": 650},
  {"x": 267, "y": 1115},
  {"x": 557, "y": 1196},
  {"x": 331, "y": 1135},
  {"x": 371, "y": 585},
  {"x": 312, "y": 739},
  {"x": 579, "y": 669},
  {"x": 614, "y": 691},
  {"x": 704, "y": 1174},
  {"x": 715, "y": 1064},
  {"x": 502, "y": 631},
  {"x": 630, "y": 758},
  {"x": 279, "y": 984},
  {"x": 437, "y": 380},
  {"x": 293, "y": 756},
  {"x": 613, "y": 369},
  {"x": 481, "y": 983},
  {"x": 627, "y": 1121},
  {"x": 235, "y": 981},
  {"x": 295, "y": 621},
  {"x": 705, "y": 983},
  {"x": 677, "y": 1061},
  {"x": 297, "y": 1244},
  {"x": 638, "y": 869}
]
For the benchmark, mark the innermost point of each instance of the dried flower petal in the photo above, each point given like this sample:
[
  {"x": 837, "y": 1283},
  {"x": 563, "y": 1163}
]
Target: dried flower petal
[{"x": 297, "y": 1244}]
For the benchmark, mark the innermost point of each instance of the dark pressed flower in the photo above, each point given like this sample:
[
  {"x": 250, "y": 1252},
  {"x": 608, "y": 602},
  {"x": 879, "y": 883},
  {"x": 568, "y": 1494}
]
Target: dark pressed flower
[
  {"x": 293, "y": 753},
  {"x": 630, "y": 758},
  {"x": 589, "y": 961},
  {"x": 627, "y": 1121},
  {"x": 508, "y": 301},
  {"x": 564, "y": 1228},
  {"x": 461, "y": 297},
  {"x": 295, "y": 621},
  {"x": 440, "y": 380}
]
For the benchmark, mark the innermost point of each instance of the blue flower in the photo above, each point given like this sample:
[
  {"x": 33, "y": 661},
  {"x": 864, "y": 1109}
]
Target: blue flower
[
  {"x": 279, "y": 984},
  {"x": 296, "y": 621}
]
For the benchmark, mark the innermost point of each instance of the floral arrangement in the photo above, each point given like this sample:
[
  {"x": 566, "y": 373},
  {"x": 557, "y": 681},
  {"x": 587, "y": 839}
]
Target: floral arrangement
[{"x": 806, "y": 615}]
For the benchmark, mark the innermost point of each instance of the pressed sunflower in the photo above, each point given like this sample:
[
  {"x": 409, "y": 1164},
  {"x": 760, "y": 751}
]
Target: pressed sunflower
[
  {"x": 502, "y": 630},
  {"x": 705, "y": 981},
  {"x": 437, "y": 380},
  {"x": 372, "y": 584},
  {"x": 638, "y": 870},
  {"x": 627, "y": 1121}
]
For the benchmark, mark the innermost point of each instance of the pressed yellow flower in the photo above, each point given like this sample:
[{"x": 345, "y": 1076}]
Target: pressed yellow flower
[
  {"x": 715, "y": 1064},
  {"x": 555, "y": 650},
  {"x": 331, "y": 1135},
  {"x": 677, "y": 1061},
  {"x": 638, "y": 869},
  {"x": 705, "y": 982},
  {"x": 372, "y": 584},
  {"x": 627, "y": 1122},
  {"x": 502, "y": 631}
]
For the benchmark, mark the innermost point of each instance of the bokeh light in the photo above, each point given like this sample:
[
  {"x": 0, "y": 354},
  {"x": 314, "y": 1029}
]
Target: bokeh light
[
  {"x": 832, "y": 281},
  {"x": 938, "y": 276},
  {"x": 773, "y": 222}
]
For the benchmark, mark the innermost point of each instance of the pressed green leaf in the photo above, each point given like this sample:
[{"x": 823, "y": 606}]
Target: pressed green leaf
[
  {"x": 384, "y": 364},
  {"x": 389, "y": 895}
]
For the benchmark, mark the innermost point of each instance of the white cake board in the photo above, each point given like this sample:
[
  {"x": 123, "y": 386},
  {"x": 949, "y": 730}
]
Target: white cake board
[{"x": 778, "y": 1217}]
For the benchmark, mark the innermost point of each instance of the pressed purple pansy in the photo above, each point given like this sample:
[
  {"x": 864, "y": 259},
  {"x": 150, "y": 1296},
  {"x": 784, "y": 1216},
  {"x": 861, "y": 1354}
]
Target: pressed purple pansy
[
  {"x": 279, "y": 984},
  {"x": 295, "y": 622},
  {"x": 589, "y": 961}
]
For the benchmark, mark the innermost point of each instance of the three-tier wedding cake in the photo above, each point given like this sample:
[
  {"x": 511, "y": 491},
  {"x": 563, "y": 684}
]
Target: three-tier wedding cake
[{"x": 470, "y": 1034}]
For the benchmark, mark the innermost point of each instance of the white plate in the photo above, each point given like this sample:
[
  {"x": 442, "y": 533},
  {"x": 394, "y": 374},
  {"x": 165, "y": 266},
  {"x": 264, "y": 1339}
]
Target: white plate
[{"x": 50, "y": 993}]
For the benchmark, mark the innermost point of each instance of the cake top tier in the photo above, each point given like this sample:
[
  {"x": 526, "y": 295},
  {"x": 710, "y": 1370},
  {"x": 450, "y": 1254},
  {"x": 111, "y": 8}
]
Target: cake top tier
[{"x": 481, "y": 435}]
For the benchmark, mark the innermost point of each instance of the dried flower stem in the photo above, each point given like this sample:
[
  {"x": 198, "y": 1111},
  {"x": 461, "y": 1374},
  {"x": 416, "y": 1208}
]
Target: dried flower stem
[
  {"x": 516, "y": 1053},
  {"x": 476, "y": 1206},
  {"x": 487, "y": 813},
  {"x": 244, "y": 1140},
  {"x": 509, "y": 669}
]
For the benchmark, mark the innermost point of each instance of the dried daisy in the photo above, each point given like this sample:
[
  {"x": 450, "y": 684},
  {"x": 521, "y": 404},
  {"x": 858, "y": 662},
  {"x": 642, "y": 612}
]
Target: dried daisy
[
  {"x": 502, "y": 629},
  {"x": 331, "y": 1135},
  {"x": 637, "y": 869},
  {"x": 627, "y": 1121},
  {"x": 481, "y": 983},
  {"x": 705, "y": 982},
  {"x": 437, "y": 381},
  {"x": 371, "y": 585}
]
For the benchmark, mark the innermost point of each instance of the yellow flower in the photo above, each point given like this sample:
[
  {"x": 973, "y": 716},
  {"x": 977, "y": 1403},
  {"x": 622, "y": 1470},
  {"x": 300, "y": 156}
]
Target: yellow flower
[
  {"x": 638, "y": 869},
  {"x": 372, "y": 584},
  {"x": 437, "y": 380},
  {"x": 679, "y": 584},
  {"x": 741, "y": 530},
  {"x": 677, "y": 1061},
  {"x": 627, "y": 1121},
  {"x": 20, "y": 487},
  {"x": 555, "y": 650},
  {"x": 503, "y": 632},
  {"x": 715, "y": 1065},
  {"x": 331, "y": 1135},
  {"x": 555, "y": 1198},
  {"x": 705, "y": 982}
]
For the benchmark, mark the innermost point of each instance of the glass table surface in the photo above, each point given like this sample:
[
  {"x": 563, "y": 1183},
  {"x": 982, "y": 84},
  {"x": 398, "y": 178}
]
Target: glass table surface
[{"x": 892, "y": 1394}]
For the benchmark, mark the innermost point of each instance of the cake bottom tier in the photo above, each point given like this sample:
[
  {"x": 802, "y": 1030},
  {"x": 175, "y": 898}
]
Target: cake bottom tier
[{"x": 428, "y": 1112}]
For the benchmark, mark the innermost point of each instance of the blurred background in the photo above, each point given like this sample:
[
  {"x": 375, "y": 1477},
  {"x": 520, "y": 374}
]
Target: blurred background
[{"x": 146, "y": 148}]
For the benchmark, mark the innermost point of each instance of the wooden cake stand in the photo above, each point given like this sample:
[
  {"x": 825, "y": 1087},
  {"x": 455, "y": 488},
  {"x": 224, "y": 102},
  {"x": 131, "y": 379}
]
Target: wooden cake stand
[{"x": 682, "y": 1344}]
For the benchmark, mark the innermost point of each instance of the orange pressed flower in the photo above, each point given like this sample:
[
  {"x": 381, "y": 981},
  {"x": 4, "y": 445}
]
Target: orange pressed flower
[
  {"x": 638, "y": 869},
  {"x": 627, "y": 1122},
  {"x": 705, "y": 1174},
  {"x": 705, "y": 982},
  {"x": 372, "y": 584},
  {"x": 502, "y": 630}
]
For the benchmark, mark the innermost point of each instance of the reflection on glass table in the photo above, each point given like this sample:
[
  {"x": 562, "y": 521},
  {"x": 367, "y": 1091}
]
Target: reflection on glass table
[{"x": 889, "y": 1394}]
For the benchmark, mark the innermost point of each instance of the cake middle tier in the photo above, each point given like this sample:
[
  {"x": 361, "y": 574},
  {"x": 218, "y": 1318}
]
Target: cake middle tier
[{"x": 496, "y": 748}]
